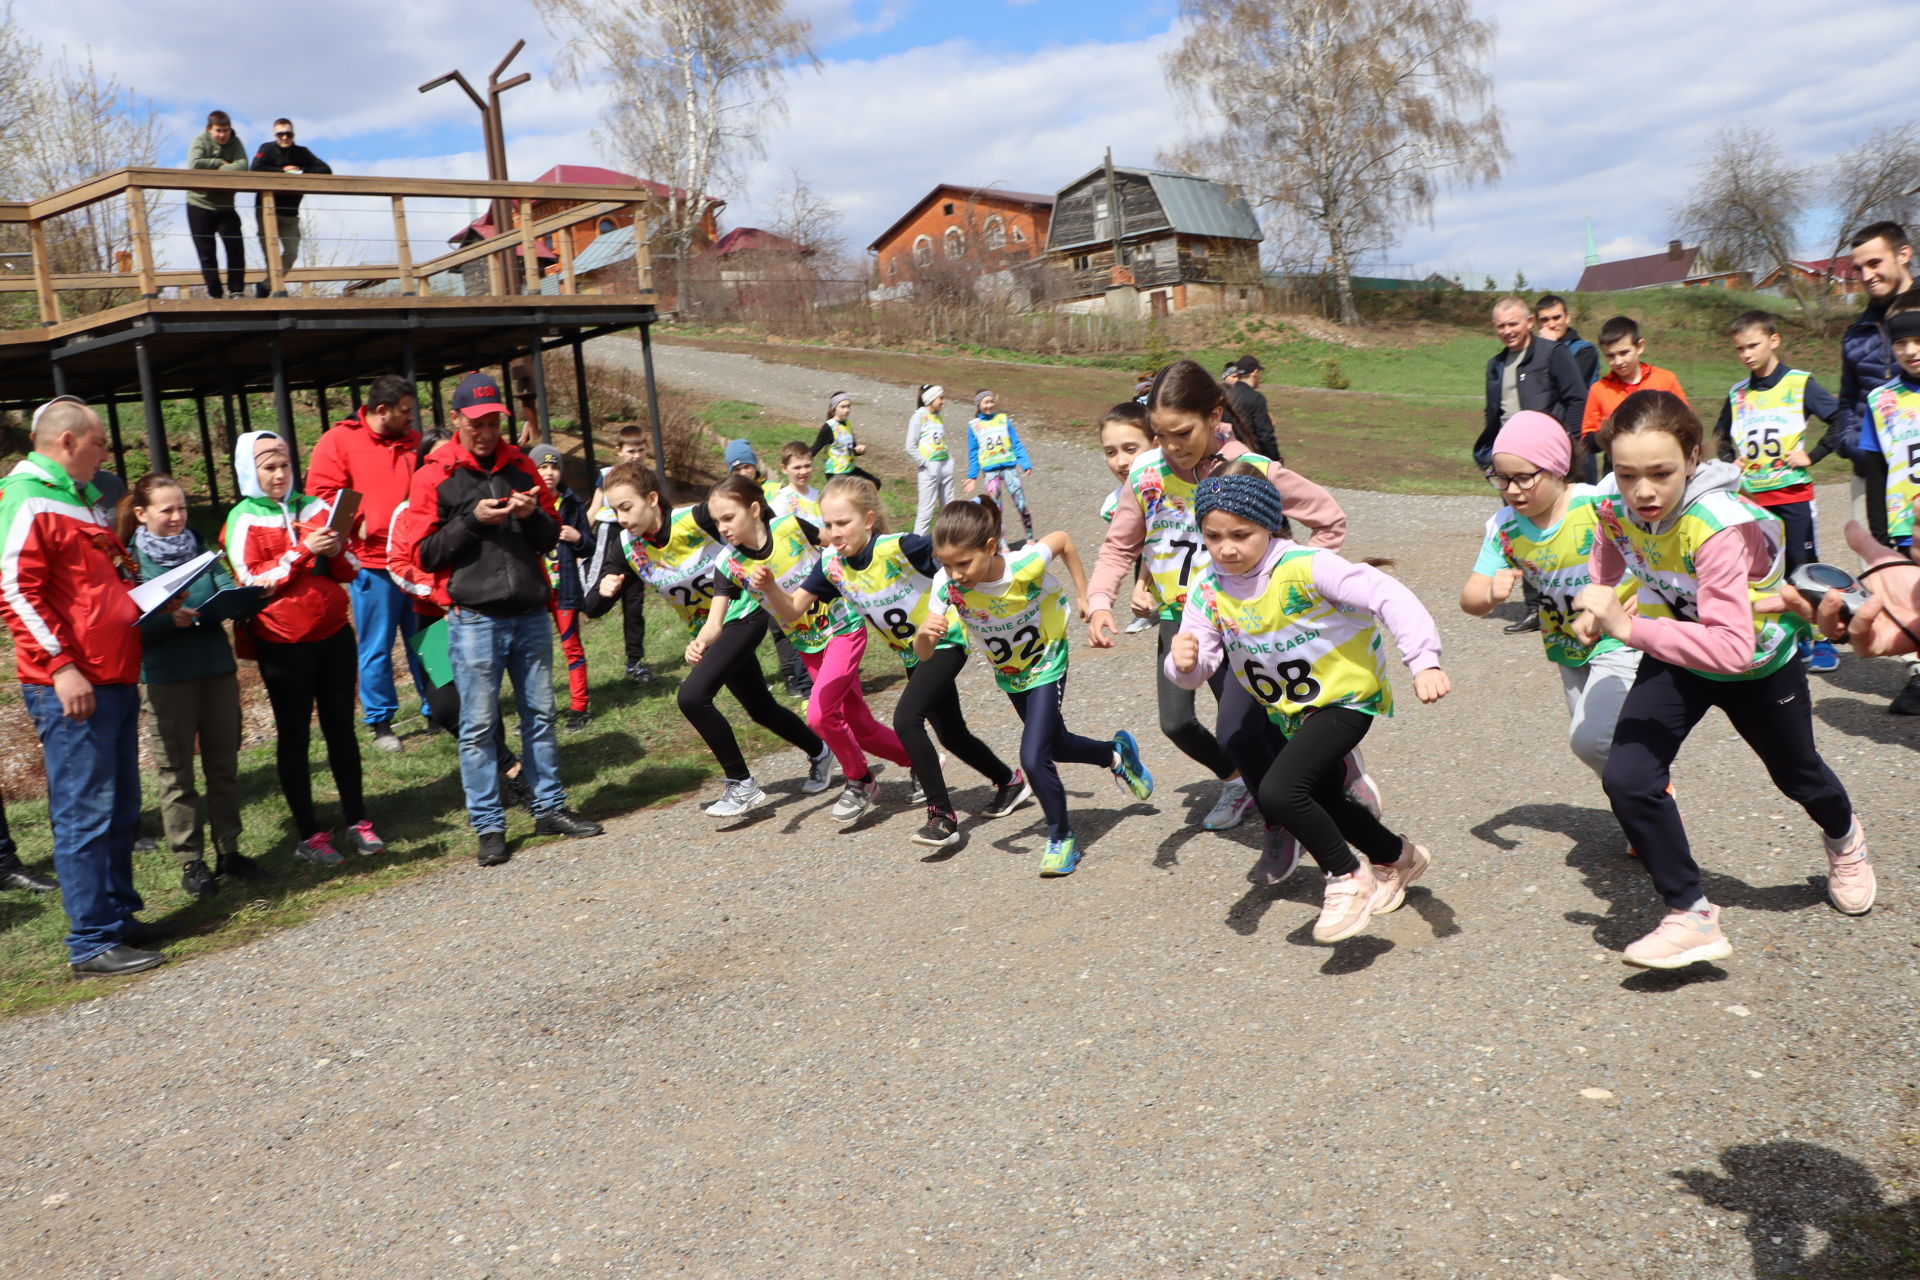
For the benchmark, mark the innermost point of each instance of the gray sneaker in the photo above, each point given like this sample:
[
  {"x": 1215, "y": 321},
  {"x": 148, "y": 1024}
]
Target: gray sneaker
[
  {"x": 740, "y": 797},
  {"x": 819, "y": 772},
  {"x": 855, "y": 800}
]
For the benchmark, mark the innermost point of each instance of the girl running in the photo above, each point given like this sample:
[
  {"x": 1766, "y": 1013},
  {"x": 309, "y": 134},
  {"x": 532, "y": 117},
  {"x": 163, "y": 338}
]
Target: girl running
[
  {"x": 927, "y": 446},
  {"x": 301, "y": 637},
  {"x": 1126, "y": 433},
  {"x": 1712, "y": 635},
  {"x": 1543, "y": 537},
  {"x": 767, "y": 553},
  {"x": 1298, "y": 626},
  {"x": 674, "y": 552},
  {"x": 192, "y": 690},
  {"x": 887, "y": 578},
  {"x": 1007, "y": 602},
  {"x": 837, "y": 438},
  {"x": 994, "y": 450}
]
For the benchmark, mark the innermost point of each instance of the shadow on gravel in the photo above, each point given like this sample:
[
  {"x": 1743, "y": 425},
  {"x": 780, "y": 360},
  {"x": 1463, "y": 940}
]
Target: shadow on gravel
[
  {"x": 1088, "y": 827},
  {"x": 1879, "y": 678},
  {"x": 1352, "y": 956},
  {"x": 1868, "y": 720},
  {"x": 1167, "y": 856},
  {"x": 1661, "y": 981},
  {"x": 1812, "y": 1213}
]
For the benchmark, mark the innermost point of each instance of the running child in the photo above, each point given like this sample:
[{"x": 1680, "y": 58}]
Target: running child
[
  {"x": 1008, "y": 603},
  {"x": 1710, "y": 635},
  {"x": 674, "y": 551},
  {"x": 765, "y": 553},
  {"x": 742, "y": 461},
  {"x": 995, "y": 454},
  {"x": 1762, "y": 429},
  {"x": 630, "y": 446},
  {"x": 191, "y": 686},
  {"x": 1543, "y": 538},
  {"x": 1299, "y": 628},
  {"x": 887, "y": 579},
  {"x": 563, "y": 579},
  {"x": 301, "y": 638},
  {"x": 1125, "y": 433},
  {"x": 932, "y": 460},
  {"x": 837, "y": 438},
  {"x": 797, "y": 497}
]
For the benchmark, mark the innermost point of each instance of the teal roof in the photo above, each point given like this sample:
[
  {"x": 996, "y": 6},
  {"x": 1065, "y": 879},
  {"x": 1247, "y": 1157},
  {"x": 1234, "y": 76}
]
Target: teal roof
[
  {"x": 1193, "y": 205},
  {"x": 607, "y": 248}
]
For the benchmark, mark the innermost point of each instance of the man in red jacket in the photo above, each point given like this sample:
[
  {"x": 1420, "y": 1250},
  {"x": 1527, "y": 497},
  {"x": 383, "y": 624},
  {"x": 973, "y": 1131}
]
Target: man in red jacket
[
  {"x": 64, "y": 580},
  {"x": 373, "y": 454}
]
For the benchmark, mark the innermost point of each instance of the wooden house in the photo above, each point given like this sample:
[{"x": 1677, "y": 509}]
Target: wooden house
[
  {"x": 1149, "y": 242},
  {"x": 1828, "y": 276},
  {"x": 1674, "y": 269},
  {"x": 983, "y": 233}
]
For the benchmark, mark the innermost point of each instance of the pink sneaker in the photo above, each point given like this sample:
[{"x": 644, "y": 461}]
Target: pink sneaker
[
  {"x": 1850, "y": 882},
  {"x": 1683, "y": 938},
  {"x": 318, "y": 847},
  {"x": 1348, "y": 904},
  {"x": 1394, "y": 877},
  {"x": 366, "y": 841}
]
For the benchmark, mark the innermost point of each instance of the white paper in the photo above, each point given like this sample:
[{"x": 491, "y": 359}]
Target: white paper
[{"x": 149, "y": 596}]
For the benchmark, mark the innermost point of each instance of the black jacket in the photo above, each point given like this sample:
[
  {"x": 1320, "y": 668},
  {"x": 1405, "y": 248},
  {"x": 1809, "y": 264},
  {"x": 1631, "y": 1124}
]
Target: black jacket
[
  {"x": 1250, "y": 410},
  {"x": 568, "y": 590},
  {"x": 495, "y": 569},
  {"x": 272, "y": 158},
  {"x": 1549, "y": 381},
  {"x": 1586, "y": 356},
  {"x": 1866, "y": 362}
]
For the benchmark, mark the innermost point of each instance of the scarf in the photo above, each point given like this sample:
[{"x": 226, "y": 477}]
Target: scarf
[{"x": 167, "y": 552}]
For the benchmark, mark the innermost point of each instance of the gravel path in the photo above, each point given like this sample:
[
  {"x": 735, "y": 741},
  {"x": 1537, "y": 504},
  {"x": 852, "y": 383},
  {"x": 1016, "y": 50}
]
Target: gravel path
[{"x": 784, "y": 1051}]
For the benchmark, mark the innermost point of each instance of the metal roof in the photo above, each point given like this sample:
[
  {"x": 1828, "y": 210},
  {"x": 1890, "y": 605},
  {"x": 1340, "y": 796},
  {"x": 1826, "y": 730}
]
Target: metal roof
[
  {"x": 1193, "y": 205},
  {"x": 607, "y": 248}
]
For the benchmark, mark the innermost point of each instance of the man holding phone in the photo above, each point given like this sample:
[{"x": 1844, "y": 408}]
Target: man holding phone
[{"x": 479, "y": 514}]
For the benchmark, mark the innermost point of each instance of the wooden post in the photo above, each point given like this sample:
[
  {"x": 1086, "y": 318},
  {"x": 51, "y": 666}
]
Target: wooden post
[
  {"x": 403, "y": 252},
  {"x": 270, "y": 238},
  {"x": 142, "y": 242},
  {"x": 529, "y": 247},
  {"x": 43, "y": 275},
  {"x": 496, "y": 279},
  {"x": 564, "y": 238}
]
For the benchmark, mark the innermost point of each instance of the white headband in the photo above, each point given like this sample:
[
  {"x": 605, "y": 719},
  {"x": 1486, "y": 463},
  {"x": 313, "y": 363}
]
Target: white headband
[{"x": 929, "y": 394}]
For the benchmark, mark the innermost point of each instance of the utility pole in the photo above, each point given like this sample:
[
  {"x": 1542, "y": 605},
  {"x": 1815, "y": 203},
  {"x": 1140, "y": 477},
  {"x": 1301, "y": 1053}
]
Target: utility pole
[{"x": 494, "y": 135}]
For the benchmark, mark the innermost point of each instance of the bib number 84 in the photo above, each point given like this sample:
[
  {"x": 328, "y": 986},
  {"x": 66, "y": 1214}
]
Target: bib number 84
[{"x": 1290, "y": 681}]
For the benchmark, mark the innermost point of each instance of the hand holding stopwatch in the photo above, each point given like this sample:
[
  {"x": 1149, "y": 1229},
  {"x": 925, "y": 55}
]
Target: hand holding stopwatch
[{"x": 1817, "y": 580}]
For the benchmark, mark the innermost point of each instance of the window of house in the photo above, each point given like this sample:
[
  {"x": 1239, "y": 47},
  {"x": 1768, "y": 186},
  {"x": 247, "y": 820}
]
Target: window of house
[
  {"x": 922, "y": 251},
  {"x": 1140, "y": 255},
  {"x": 947, "y": 208},
  {"x": 1102, "y": 226},
  {"x": 608, "y": 224},
  {"x": 893, "y": 266},
  {"x": 955, "y": 243},
  {"x": 1019, "y": 236},
  {"x": 1082, "y": 263},
  {"x": 996, "y": 234}
]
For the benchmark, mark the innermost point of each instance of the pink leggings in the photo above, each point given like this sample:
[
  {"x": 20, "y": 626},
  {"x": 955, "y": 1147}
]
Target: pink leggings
[{"x": 838, "y": 710}]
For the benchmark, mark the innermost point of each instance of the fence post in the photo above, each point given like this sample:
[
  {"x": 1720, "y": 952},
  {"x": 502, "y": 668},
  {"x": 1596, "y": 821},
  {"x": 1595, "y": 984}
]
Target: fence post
[
  {"x": 529, "y": 247},
  {"x": 564, "y": 238},
  {"x": 43, "y": 274},
  {"x": 270, "y": 244},
  {"x": 142, "y": 242},
  {"x": 402, "y": 251}
]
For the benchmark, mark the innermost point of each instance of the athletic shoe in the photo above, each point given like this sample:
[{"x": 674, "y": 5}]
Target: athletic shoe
[
  {"x": 239, "y": 866},
  {"x": 1279, "y": 857},
  {"x": 1682, "y": 938},
  {"x": 1360, "y": 783},
  {"x": 1907, "y": 701},
  {"x": 197, "y": 879},
  {"x": 1823, "y": 657},
  {"x": 565, "y": 822},
  {"x": 819, "y": 772},
  {"x": 1347, "y": 906},
  {"x": 1850, "y": 882},
  {"x": 855, "y": 799},
  {"x": 1061, "y": 857},
  {"x": 942, "y": 830},
  {"x": 515, "y": 792},
  {"x": 1129, "y": 774},
  {"x": 1529, "y": 623},
  {"x": 384, "y": 738},
  {"x": 366, "y": 841},
  {"x": 1138, "y": 625},
  {"x": 577, "y": 720},
  {"x": 1394, "y": 877},
  {"x": 1008, "y": 798},
  {"x": 639, "y": 673},
  {"x": 493, "y": 849},
  {"x": 318, "y": 847},
  {"x": 741, "y": 795},
  {"x": 1230, "y": 808}
]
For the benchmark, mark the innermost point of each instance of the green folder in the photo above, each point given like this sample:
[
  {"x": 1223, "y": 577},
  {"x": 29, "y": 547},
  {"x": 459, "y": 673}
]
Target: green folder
[{"x": 429, "y": 644}]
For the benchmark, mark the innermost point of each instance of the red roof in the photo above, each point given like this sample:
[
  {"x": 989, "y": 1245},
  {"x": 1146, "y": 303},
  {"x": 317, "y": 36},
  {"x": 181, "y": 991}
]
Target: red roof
[
  {"x": 754, "y": 240},
  {"x": 1670, "y": 267},
  {"x": 982, "y": 195},
  {"x": 1832, "y": 268},
  {"x": 584, "y": 175}
]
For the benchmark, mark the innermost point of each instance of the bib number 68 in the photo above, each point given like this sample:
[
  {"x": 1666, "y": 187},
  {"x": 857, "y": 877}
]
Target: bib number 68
[{"x": 1290, "y": 682}]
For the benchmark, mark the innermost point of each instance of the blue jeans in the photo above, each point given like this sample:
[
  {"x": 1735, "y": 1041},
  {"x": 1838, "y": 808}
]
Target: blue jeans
[
  {"x": 482, "y": 649},
  {"x": 93, "y": 801},
  {"x": 379, "y": 609}
]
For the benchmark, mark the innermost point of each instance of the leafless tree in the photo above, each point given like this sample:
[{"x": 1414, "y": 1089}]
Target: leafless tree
[
  {"x": 692, "y": 84},
  {"x": 1354, "y": 113},
  {"x": 1748, "y": 205},
  {"x": 1874, "y": 181}
]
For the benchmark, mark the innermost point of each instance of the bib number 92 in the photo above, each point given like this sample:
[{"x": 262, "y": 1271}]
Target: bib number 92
[
  {"x": 1289, "y": 682},
  {"x": 1026, "y": 642}
]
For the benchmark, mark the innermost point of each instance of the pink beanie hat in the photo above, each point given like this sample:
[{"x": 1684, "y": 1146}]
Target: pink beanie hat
[{"x": 1539, "y": 439}]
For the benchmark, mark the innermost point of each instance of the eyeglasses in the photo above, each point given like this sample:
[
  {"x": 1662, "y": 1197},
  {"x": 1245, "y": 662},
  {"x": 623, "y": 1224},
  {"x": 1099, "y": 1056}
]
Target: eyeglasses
[
  {"x": 1523, "y": 481},
  {"x": 283, "y": 133}
]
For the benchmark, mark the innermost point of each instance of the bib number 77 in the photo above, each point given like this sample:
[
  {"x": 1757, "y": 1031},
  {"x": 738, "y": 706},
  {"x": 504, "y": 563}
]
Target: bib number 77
[{"x": 1288, "y": 681}]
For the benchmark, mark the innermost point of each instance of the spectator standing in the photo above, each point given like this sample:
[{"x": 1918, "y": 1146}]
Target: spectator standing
[
  {"x": 1551, "y": 319},
  {"x": 563, "y": 575},
  {"x": 63, "y": 591},
  {"x": 210, "y": 214},
  {"x": 1628, "y": 371},
  {"x": 373, "y": 453},
  {"x": 479, "y": 513},
  {"x": 13, "y": 872},
  {"x": 283, "y": 155},
  {"x": 1250, "y": 408}
]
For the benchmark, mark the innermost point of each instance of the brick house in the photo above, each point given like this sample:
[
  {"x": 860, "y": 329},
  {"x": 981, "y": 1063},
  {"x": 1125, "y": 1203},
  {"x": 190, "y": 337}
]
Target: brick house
[
  {"x": 1831, "y": 276},
  {"x": 982, "y": 232}
]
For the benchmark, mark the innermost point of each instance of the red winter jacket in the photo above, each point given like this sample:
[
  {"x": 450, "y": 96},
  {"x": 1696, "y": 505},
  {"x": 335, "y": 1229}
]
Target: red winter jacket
[
  {"x": 61, "y": 586},
  {"x": 305, "y": 601},
  {"x": 427, "y": 591},
  {"x": 380, "y": 470}
]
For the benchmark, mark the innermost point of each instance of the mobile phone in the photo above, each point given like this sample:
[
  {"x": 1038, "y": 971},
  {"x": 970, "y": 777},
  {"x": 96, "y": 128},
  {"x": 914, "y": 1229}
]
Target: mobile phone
[{"x": 1816, "y": 580}]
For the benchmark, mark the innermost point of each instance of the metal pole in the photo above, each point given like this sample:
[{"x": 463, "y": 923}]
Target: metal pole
[
  {"x": 406, "y": 352},
  {"x": 206, "y": 450},
  {"x": 157, "y": 455},
  {"x": 653, "y": 410},
  {"x": 584, "y": 423},
  {"x": 283, "y": 408},
  {"x": 540, "y": 388},
  {"x": 113, "y": 429},
  {"x": 326, "y": 419},
  {"x": 439, "y": 408},
  {"x": 512, "y": 406},
  {"x": 59, "y": 378}
]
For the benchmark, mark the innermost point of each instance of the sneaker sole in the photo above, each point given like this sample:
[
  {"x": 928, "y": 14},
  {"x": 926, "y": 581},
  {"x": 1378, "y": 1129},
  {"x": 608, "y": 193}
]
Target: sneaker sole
[
  {"x": 1055, "y": 874},
  {"x": 948, "y": 843},
  {"x": 1347, "y": 931},
  {"x": 1836, "y": 904},
  {"x": 1267, "y": 874},
  {"x": 1026, "y": 794},
  {"x": 1710, "y": 951},
  {"x": 749, "y": 807}
]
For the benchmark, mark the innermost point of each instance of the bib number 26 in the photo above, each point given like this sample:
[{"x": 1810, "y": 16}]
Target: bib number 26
[{"x": 1290, "y": 682}]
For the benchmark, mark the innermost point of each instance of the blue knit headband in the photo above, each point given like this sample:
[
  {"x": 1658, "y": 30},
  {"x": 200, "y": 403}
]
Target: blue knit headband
[{"x": 1249, "y": 497}]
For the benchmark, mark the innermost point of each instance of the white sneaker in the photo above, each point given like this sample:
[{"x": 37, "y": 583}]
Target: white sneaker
[
  {"x": 819, "y": 772},
  {"x": 741, "y": 796},
  {"x": 1138, "y": 625},
  {"x": 855, "y": 800},
  {"x": 1348, "y": 904},
  {"x": 1231, "y": 808}
]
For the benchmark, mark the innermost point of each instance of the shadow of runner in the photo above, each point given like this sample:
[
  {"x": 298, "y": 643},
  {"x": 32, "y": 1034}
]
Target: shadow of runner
[
  {"x": 1868, "y": 720},
  {"x": 1791, "y": 1193}
]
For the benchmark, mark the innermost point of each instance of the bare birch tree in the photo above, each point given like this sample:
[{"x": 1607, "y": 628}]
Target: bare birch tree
[
  {"x": 1876, "y": 180},
  {"x": 1748, "y": 205},
  {"x": 1352, "y": 113},
  {"x": 693, "y": 82}
]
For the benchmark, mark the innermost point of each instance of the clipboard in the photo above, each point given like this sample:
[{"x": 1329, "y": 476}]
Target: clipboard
[
  {"x": 429, "y": 644},
  {"x": 231, "y": 604},
  {"x": 152, "y": 597}
]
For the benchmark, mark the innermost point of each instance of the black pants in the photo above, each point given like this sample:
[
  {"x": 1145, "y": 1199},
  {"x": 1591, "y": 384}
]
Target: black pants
[
  {"x": 932, "y": 696},
  {"x": 1177, "y": 718},
  {"x": 793, "y": 668},
  {"x": 633, "y": 618},
  {"x": 203, "y": 225},
  {"x": 1773, "y": 713},
  {"x": 732, "y": 662},
  {"x": 300, "y": 678},
  {"x": 1306, "y": 792},
  {"x": 1045, "y": 742},
  {"x": 1798, "y": 519}
]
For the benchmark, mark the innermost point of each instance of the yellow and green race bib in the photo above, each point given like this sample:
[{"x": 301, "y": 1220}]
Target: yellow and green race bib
[
  {"x": 1895, "y": 412},
  {"x": 1555, "y": 564},
  {"x": 1175, "y": 552},
  {"x": 1024, "y": 628},
  {"x": 889, "y": 593},
  {"x": 1767, "y": 426},
  {"x": 681, "y": 568},
  {"x": 930, "y": 442},
  {"x": 840, "y": 449},
  {"x": 993, "y": 442},
  {"x": 791, "y": 558}
]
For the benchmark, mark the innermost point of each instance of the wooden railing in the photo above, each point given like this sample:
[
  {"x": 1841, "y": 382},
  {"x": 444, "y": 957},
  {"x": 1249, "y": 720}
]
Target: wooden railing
[{"x": 512, "y": 204}]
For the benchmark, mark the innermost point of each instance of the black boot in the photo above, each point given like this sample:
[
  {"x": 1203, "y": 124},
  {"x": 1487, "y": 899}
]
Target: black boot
[
  {"x": 198, "y": 880},
  {"x": 13, "y": 875}
]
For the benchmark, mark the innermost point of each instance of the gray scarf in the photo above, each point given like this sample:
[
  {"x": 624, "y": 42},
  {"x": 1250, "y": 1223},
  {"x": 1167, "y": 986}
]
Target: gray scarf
[{"x": 167, "y": 552}]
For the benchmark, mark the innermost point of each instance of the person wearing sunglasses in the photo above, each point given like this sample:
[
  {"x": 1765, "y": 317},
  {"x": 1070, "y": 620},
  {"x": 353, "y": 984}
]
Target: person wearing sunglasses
[{"x": 283, "y": 155}]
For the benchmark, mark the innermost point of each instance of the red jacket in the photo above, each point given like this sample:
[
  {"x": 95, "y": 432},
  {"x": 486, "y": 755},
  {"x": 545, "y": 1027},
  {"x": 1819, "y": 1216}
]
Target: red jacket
[
  {"x": 61, "y": 585},
  {"x": 351, "y": 456},
  {"x": 427, "y": 591},
  {"x": 263, "y": 544}
]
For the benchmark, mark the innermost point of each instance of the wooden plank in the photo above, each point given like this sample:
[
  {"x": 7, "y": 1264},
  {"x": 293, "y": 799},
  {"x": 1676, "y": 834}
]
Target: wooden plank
[
  {"x": 112, "y": 184},
  {"x": 529, "y": 247},
  {"x": 43, "y": 275},
  {"x": 142, "y": 242},
  {"x": 402, "y": 249},
  {"x": 564, "y": 238},
  {"x": 270, "y": 243}
]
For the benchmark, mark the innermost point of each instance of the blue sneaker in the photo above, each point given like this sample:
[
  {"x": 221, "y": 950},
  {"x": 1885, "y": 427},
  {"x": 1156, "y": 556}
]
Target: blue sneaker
[
  {"x": 1130, "y": 775},
  {"x": 1822, "y": 657},
  {"x": 1062, "y": 856}
]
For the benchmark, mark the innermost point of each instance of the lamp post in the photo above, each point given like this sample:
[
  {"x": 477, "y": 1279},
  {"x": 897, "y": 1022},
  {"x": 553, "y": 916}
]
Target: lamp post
[{"x": 495, "y": 136}]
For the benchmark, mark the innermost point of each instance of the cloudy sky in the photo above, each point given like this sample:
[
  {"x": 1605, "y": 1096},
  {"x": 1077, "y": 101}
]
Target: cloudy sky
[{"x": 1606, "y": 110}]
